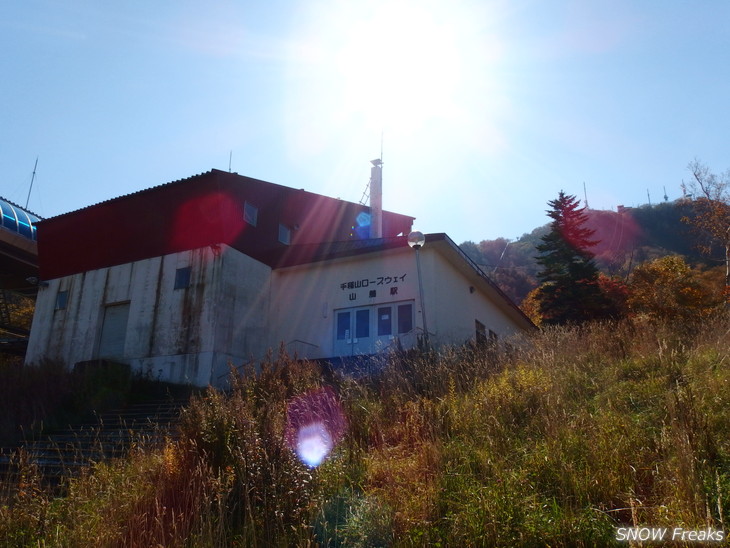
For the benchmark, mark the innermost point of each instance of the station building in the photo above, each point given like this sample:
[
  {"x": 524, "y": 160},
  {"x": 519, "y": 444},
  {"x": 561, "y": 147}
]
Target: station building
[{"x": 183, "y": 279}]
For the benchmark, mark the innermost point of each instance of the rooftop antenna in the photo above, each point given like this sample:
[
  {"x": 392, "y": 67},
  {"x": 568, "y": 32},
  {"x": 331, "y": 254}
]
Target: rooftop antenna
[
  {"x": 376, "y": 194},
  {"x": 365, "y": 198},
  {"x": 230, "y": 158},
  {"x": 381, "y": 146},
  {"x": 27, "y": 200},
  {"x": 376, "y": 198},
  {"x": 585, "y": 194}
]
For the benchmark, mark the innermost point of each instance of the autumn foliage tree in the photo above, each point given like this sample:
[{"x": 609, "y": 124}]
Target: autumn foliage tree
[
  {"x": 711, "y": 200},
  {"x": 569, "y": 290},
  {"x": 669, "y": 289},
  {"x": 616, "y": 291}
]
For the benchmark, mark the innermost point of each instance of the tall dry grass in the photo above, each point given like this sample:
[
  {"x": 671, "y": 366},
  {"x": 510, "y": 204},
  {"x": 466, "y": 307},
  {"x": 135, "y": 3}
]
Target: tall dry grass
[{"x": 553, "y": 440}]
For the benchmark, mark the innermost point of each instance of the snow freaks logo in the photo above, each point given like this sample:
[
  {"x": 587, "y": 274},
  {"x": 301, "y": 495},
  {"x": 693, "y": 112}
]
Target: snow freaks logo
[{"x": 662, "y": 534}]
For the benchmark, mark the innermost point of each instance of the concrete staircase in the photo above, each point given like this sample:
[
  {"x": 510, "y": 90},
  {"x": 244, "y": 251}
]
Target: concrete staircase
[{"x": 67, "y": 452}]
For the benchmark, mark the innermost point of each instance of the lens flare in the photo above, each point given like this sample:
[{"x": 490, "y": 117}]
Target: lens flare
[
  {"x": 362, "y": 225},
  {"x": 363, "y": 219},
  {"x": 315, "y": 425},
  {"x": 212, "y": 217},
  {"x": 314, "y": 443}
]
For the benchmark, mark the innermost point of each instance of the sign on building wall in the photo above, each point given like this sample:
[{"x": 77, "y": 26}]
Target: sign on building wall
[{"x": 388, "y": 285}]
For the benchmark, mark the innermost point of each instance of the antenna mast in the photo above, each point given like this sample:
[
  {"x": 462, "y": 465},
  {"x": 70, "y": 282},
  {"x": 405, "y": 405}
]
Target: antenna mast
[
  {"x": 585, "y": 194},
  {"x": 376, "y": 198},
  {"x": 381, "y": 145},
  {"x": 365, "y": 198},
  {"x": 27, "y": 200}
]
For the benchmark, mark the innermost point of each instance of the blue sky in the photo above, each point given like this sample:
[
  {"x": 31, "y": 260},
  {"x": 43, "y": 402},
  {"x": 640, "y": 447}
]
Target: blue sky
[{"x": 486, "y": 109}]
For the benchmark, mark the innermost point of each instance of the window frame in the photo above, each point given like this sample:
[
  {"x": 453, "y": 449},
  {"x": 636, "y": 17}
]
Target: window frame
[
  {"x": 384, "y": 320},
  {"x": 61, "y": 300},
  {"x": 250, "y": 213},
  {"x": 481, "y": 333},
  {"x": 286, "y": 232},
  {"x": 183, "y": 276},
  {"x": 402, "y": 326}
]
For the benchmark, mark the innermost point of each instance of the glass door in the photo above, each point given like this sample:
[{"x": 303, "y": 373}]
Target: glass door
[
  {"x": 353, "y": 334},
  {"x": 384, "y": 326},
  {"x": 370, "y": 329}
]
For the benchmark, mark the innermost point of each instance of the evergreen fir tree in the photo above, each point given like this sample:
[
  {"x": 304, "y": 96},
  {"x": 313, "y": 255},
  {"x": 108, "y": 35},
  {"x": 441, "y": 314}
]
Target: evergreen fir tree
[{"x": 569, "y": 292}]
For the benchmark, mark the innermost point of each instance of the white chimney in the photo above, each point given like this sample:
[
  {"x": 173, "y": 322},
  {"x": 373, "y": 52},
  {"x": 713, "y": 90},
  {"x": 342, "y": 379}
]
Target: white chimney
[{"x": 376, "y": 199}]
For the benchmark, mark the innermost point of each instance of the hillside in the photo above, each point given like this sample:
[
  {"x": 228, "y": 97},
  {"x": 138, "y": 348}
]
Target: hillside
[
  {"x": 625, "y": 238},
  {"x": 566, "y": 438}
]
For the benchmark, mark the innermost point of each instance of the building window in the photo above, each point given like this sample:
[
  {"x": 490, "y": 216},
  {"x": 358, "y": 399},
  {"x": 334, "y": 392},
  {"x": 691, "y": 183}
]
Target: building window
[
  {"x": 250, "y": 213},
  {"x": 61, "y": 300},
  {"x": 182, "y": 277},
  {"x": 284, "y": 234},
  {"x": 385, "y": 321},
  {"x": 343, "y": 326},
  {"x": 481, "y": 332},
  {"x": 405, "y": 318},
  {"x": 361, "y": 327},
  {"x": 362, "y": 324}
]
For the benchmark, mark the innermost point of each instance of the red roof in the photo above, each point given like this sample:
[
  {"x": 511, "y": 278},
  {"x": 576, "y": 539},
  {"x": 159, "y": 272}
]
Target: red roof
[{"x": 196, "y": 212}]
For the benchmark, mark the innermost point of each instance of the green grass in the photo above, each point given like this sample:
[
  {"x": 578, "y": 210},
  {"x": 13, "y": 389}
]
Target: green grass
[{"x": 555, "y": 440}]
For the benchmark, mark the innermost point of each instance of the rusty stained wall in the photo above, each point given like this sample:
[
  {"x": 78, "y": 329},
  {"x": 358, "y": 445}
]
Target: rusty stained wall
[
  {"x": 183, "y": 335},
  {"x": 243, "y": 329},
  {"x": 169, "y": 330},
  {"x": 67, "y": 335}
]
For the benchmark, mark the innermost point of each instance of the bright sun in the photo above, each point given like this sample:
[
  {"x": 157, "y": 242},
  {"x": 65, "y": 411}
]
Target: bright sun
[
  {"x": 397, "y": 65},
  {"x": 400, "y": 65}
]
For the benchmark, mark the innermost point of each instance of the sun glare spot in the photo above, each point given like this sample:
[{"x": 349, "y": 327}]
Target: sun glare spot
[
  {"x": 315, "y": 425},
  {"x": 314, "y": 443},
  {"x": 198, "y": 221},
  {"x": 400, "y": 64},
  {"x": 403, "y": 67}
]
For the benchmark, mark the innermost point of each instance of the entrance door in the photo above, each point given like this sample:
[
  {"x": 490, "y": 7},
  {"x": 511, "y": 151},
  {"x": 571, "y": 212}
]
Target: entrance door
[
  {"x": 384, "y": 325},
  {"x": 353, "y": 335},
  {"x": 367, "y": 330},
  {"x": 393, "y": 320},
  {"x": 114, "y": 331}
]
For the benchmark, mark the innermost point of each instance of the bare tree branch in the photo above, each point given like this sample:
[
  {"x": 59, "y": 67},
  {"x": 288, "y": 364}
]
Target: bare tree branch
[{"x": 712, "y": 209}]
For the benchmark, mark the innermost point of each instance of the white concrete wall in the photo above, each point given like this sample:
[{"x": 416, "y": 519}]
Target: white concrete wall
[
  {"x": 184, "y": 335},
  {"x": 451, "y": 305},
  {"x": 242, "y": 313},
  {"x": 305, "y": 298},
  {"x": 236, "y": 309},
  {"x": 68, "y": 335}
]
